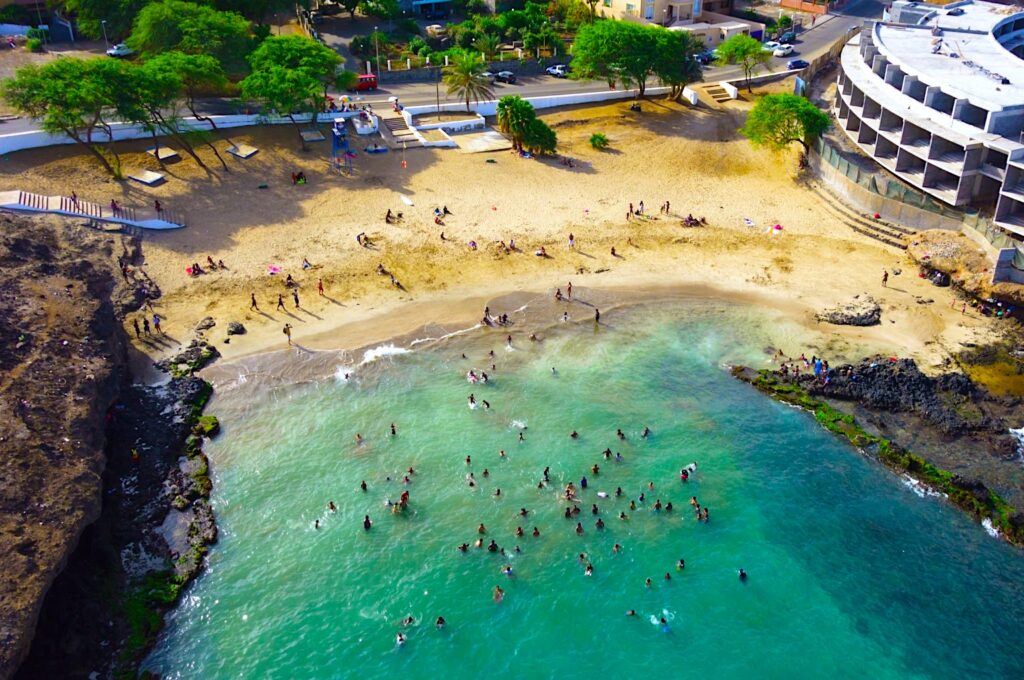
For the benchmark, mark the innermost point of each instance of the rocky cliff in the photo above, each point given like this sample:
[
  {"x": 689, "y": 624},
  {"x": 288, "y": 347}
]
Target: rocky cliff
[{"x": 61, "y": 364}]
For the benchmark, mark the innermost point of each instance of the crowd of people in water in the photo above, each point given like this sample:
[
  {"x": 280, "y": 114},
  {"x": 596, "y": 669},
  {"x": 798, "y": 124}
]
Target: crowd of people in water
[{"x": 574, "y": 495}]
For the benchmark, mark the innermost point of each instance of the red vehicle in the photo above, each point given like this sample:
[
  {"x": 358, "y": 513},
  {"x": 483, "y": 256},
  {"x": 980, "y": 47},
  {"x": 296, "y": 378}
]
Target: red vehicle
[{"x": 367, "y": 81}]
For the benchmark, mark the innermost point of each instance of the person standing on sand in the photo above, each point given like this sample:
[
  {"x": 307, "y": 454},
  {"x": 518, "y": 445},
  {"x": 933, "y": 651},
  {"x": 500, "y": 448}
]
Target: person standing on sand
[
  {"x": 288, "y": 332},
  {"x": 597, "y": 315},
  {"x": 295, "y": 296},
  {"x": 135, "y": 322},
  {"x": 885, "y": 277},
  {"x": 320, "y": 286},
  {"x": 252, "y": 303},
  {"x": 156, "y": 324},
  {"x": 568, "y": 290},
  {"x": 145, "y": 325},
  {"x": 572, "y": 241},
  {"x": 280, "y": 303}
]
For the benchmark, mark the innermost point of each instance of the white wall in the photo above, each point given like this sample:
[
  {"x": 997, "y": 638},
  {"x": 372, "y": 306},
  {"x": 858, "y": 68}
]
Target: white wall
[{"x": 488, "y": 108}]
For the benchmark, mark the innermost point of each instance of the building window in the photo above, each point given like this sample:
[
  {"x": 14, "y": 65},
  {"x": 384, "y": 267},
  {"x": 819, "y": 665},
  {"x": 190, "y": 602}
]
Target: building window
[
  {"x": 696, "y": 8},
  {"x": 649, "y": 10},
  {"x": 630, "y": 8}
]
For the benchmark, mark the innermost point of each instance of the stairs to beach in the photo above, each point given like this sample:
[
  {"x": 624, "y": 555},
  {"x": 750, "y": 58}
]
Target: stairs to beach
[
  {"x": 888, "y": 233},
  {"x": 396, "y": 132},
  {"x": 715, "y": 92}
]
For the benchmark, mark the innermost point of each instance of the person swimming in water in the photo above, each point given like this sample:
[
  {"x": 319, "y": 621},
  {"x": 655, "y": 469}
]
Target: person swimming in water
[
  {"x": 331, "y": 506},
  {"x": 440, "y": 623},
  {"x": 464, "y": 547},
  {"x": 519, "y": 531},
  {"x": 681, "y": 564},
  {"x": 623, "y": 516},
  {"x": 408, "y": 621},
  {"x": 599, "y": 523},
  {"x": 362, "y": 485},
  {"x": 574, "y": 435},
  {"x": 618, "y": 492},
  {"x": 498, "y": 594},
  {"x": 400, "y": 639},
  {"x": 616, "y": 548},
  {"x": 589, "y": 571},
  {"x": 366, "y": 522},
  {"x": 620, "y": 435},
  {"x": 492, "y": 546},
  {"x": 743, "y": 575},
  {"x": 507, "y": 570},
  {"x": 579, "y": 529},
  {"x": 536, "y": 532},
  {"x": 646, "y": 432}
]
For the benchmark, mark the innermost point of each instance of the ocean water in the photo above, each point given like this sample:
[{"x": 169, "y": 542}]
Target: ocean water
[{"x": 851, "y": 573}]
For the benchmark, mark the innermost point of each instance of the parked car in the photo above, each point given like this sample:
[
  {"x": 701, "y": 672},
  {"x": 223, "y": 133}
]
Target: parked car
[
  {"x": 505, "y": 77},
  {"x": 367, "y": 81},
  {"x": 770, "y": 46},
  {"x": 558, "y": 71},
  {"x": 783, "y": 51},
  {"x": 435, "y": 14},
  {"x": 796, "y": 64},
  {"x": 490, "y": 75},
  {"x": 788, "y": 37},
  {"x": 706, "y": 57},
  {"x": 120, "y": 50}
]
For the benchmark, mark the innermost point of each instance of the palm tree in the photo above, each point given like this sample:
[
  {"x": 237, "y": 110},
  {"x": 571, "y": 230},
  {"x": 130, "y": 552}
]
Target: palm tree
[
  {"x": 487, "y": 45},
  {"x": 465, "y": 77},
  {"x": 514, "y": 116}
]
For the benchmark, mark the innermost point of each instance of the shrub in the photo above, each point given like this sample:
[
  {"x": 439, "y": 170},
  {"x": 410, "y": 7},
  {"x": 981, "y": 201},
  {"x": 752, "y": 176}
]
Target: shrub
[
  {"x": 598, "y": 140},
  {"x": 34, "y": 45}
]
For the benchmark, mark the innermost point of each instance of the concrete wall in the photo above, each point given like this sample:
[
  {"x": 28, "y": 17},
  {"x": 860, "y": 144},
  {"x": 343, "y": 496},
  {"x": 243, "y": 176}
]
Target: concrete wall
[{"x": 488, "y": 108}]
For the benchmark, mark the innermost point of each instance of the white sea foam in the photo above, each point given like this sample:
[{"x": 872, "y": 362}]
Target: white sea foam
[
  {"x": 920, "y": 488},
  {"x": 461, "y": 331},
  {"x": 371, "y": 355},
  {"x": 989, "y": 529},
  {"x": 1019, "y": 436},
  {"x": 518, "y": 424},
  {"x": 343, "y": 373}
]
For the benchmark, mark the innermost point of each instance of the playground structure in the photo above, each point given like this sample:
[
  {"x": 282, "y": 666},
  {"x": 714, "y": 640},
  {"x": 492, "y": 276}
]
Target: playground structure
[{"x": 144, "y": 218}]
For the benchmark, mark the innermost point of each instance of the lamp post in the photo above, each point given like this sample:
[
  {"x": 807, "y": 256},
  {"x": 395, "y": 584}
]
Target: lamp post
[
  {"x": 376, "y": 49},
  {"x": 437, "y": 91},
  {"x": 106, "y": 42}
]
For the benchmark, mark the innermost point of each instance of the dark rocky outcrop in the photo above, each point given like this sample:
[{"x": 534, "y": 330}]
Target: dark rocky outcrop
[
  {"x": 235, "y": 328},
  {"x": 862, "y": 310}
]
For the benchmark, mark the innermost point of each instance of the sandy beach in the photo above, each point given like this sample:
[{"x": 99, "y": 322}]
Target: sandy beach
[{"x": 693, "y": 158}]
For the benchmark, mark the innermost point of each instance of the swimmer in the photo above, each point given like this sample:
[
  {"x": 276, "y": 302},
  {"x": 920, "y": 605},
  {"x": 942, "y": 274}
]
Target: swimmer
[
  {"x": 521, "y": 437},
  {"x": 508, "y": 341},
  {"x": 547, "y": 472},
  {"x": 316, "y": 524},
  {"x": 743, "y": 575},
  {"x": 366, "y": 522},
  {"x": 693, "y": 502},
  {"x": 486, "y": 404},
  {"x": 668, "y": 576},
  {"x": 498, "y": 594},
  {"x": 540, "y": 485},
  {"x": 469, "y": 460},
  {"x": 359, "y": 438},
  {"x": 533, "y": 337},
  {"x": 705, "y": 514},
  {"x": 331, "y": 506},
  {"x": 481, "y": 529},
  {"x": 647, "y": 583},
  {"x": 574, "y": 435},
  {"x": 497, "y": 492},
  {"x": 553, "y": 371},
  {"x": 507, "y": 570},
  {"x": 393, "y": 430},
  {"x": 618, "y": 457},
  {"x": 623, "y": 516},
  {"x": 472, "y": 401},
  {"x": 593, "y": 509},
  {"x": 579, "y": 529},
  {"x": 483, "y": 377},
  {"x": 631, "y": 612},
  {"x": 568, "y": 513},
  {"x": 589, "y": 571},
  {"x": 519, "y": 531},
  {"x": 407, "y": 621},
  {"x": 464, "y": 547},
  {"x": 618, "y": 492},
  {"x": 650, "y": 486},
  {"x": 641, "y": 498},
  {"x": 657, "y": 505},
  {"x": 486, "y": 473},
  {"x": 400, "y": 639},
  {"x": 583, "y": 482},
  {"x": 632, "y": 505},
  {"x": 536, "y": 532},
  {"x": 594, "y": 469},
  {"x": 646, "y": 432},
  {"x": 668, "y": 507},
  {"x": 523, "y": 512},
  {"x": 478, "y": 543},
  {"x": 607, "y": 454},
  {"x": 681, "y": 564},
  {"x": 502, "y": 454},
  {"x": 664, "y": 626},
  {"x": 362, "y": 485},
  {"x": 599, "y": 523},
  {"x": 620, "y": 435},
  {"x": 492, "y": 546},
  {"x": 440, "y": 623},
  {"x": 616, "y": 548}
]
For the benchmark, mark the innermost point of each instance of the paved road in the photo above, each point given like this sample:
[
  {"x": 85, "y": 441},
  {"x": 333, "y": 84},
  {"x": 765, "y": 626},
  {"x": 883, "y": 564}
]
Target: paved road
[{"x": 810, "y": 44}]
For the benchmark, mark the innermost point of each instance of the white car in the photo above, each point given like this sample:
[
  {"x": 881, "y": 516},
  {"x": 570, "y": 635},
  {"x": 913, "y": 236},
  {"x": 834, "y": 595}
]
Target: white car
[
  {"x": 559, "y": 71},
  {"x": 783, "y": 51},
  {"x": 120, "y": 50},
  {"x": 770, "y": 46}
]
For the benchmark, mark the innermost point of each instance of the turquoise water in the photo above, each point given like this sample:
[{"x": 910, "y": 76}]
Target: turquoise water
[{"x": 850, "y": 573}]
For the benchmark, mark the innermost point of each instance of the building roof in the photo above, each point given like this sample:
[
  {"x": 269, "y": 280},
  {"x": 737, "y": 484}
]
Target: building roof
[{"x": 958, "y": 53}]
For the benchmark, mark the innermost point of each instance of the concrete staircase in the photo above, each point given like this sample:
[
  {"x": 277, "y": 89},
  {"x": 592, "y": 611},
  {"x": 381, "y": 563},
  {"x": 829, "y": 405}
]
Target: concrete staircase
[
  {"x": 890, "y": 234},
  {"x": 396, "y": 132},
  {"x": 715, "y": 92}
]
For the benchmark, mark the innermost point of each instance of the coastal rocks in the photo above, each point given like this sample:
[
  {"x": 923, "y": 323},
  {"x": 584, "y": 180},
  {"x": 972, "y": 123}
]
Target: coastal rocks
[
  {"x": 235, "y": 328},
  {"x": 206, "y": 324},
  {"x": 862, "y": 310},
  {"x": 193, "y": 357}
]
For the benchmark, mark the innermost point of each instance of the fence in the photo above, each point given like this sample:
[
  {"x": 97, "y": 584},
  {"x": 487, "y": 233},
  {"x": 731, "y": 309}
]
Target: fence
[
  {"x": 894, "y": 196},
  {"x": 75, "y": 207}
]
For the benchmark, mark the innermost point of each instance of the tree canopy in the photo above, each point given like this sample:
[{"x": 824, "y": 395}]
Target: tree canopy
[
  {"x": 90, "y": 15},
  {"x": 746, "y": 52},
  {"x": 518, "y": 119},
  {"x": 780, "y": 119},
  {"x": 629, "y": 53},
  {"x": 464, "y": 77},
  {"x": 193, "y": 29}
]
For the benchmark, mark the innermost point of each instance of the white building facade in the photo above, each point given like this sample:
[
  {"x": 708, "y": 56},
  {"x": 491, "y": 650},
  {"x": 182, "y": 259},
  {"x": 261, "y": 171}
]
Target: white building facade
[{"x": 935, "y": 94}]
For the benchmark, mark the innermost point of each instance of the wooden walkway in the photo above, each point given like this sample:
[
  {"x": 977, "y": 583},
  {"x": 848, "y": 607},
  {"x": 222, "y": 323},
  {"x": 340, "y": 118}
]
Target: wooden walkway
[{"x": 143, "y": 218}]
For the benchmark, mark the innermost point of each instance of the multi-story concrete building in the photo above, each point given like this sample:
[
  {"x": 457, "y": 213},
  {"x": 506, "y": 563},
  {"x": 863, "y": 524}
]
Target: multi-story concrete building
[
  {"x": 704, "y": 18},
  {"x": 935, "y": 94}
]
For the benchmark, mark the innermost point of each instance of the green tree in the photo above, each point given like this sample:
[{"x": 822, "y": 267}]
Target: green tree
[
  {"x": 599, "y": 141},
  {"x": 745, "y": 51},
  {"x": 91, "y": 14},
  {"x": 350, "y": 6},
  {"x": 194, "y": 29},
  {"x": 676, "y": 64},
  {"x": 290, "y": 73},
  {"x": 72, "y": 96},
  {"x": 384, "y": 9},
  {"x": 785, "y": 21},
  {"x": 487, "y": 45},
  {"x": 257, "y": 11},
  {"x": 514, "y": 115},
  {"x": 620, "y": 51},
  {"x": 346, "y": 80},
  {"x": 592, "y": 4},
  {"x": 465, "y": 78},
  {"x": 540, "y": 138},
  {"x": 780, "y": 119}
]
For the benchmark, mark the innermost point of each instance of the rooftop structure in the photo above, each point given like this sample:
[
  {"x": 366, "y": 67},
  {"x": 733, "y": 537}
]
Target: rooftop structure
[{"x": 936, "y": 95}]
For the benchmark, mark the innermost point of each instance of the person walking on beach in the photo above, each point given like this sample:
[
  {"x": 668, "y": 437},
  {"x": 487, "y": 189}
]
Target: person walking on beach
[
  {"x": 295, "y": 296},
  {"x": 640, "y": 208},
  {"x": 288, "y": 332},
  {"x": 568, "y": 290},
  {"x": 156, "y": 324},
  {"x": 572, "y": 241},
  {"x": 597, "y": 315},
  {"x": 320, "y": 286},
  {"x": 280, "y": 303},
  {"x": 135, "y": 322},
  {"x": 145, "y": 325},
  {"x": 885, "y": 277},
  {"x": 252, "y": 303}
]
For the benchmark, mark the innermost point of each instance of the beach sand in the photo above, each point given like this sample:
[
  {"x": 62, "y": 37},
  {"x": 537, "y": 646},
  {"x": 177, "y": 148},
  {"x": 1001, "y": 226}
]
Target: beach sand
[{"x": 693, "y": 158}]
